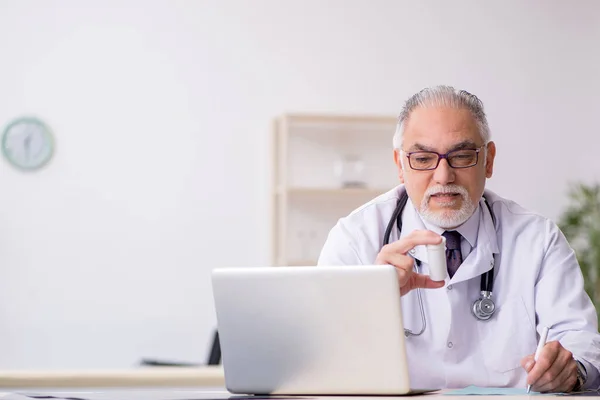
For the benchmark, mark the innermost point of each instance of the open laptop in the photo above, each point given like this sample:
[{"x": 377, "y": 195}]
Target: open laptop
[{"x": 311, "y": 330}]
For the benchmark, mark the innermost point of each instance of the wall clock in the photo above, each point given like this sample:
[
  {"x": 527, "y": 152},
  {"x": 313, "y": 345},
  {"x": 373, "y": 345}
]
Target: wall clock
[{"x": 27, "y": 143}]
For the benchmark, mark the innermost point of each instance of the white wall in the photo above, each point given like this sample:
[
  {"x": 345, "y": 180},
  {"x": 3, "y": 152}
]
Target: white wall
[{"x": 162, "y": 111}]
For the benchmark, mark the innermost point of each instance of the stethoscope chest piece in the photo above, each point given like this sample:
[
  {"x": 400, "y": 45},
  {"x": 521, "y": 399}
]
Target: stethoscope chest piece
[{"x": 484, "y": 307}]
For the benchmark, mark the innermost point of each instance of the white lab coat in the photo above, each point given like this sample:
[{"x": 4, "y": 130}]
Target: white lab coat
[{"x": 537, "y": 283}]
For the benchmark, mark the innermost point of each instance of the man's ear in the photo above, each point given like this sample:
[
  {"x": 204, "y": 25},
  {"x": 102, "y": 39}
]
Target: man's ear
[
  {"x": 398, "y": 162},
  {"x": 489, "y": 159}
]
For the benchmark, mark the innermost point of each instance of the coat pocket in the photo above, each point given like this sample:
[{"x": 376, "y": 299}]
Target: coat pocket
[{"x": 508, "y": 337}]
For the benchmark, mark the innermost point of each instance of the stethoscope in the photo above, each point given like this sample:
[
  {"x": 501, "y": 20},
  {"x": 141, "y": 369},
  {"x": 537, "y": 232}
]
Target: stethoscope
[{"x": 484, "y": 307}]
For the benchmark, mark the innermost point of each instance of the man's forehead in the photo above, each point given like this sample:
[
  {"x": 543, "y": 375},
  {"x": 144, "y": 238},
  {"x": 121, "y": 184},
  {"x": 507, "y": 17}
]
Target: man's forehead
[
  {"x": 440, "y": 126},
  {"x": 447, "y": 139},
  {"x": 437, "y": 147}
]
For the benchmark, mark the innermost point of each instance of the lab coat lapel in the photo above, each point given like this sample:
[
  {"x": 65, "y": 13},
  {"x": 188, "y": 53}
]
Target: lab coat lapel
[{"x": 481, "y": 258}]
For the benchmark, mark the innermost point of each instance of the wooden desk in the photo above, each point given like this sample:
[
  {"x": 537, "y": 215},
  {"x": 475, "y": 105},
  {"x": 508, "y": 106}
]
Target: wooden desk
[
  {"x": 201, "y": 377},
  {"x": 159, "y": 383},
  {"x": 187, "y": 394}
]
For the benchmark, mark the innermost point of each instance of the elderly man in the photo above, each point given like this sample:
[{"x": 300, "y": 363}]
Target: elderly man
[{"x": 510, "y": 272}]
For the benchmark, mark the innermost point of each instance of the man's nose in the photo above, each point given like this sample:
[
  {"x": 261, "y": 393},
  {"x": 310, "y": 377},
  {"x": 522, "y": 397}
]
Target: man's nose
[{"x": 444, "y": 173}]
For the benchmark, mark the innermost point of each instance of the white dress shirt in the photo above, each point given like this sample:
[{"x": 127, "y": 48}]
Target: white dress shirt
[{"x": 537, "y": 283}]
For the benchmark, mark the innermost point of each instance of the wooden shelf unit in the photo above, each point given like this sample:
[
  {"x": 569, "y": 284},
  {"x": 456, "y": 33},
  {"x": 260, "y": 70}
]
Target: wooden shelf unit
[{"x": 312, "y": 156}]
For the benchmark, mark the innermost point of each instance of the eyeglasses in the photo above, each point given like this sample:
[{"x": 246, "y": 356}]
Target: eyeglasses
[{"x": 428, "y": 160}]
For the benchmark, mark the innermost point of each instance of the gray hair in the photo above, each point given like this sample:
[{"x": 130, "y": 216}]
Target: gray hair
[{"x": 443, "y": 96}]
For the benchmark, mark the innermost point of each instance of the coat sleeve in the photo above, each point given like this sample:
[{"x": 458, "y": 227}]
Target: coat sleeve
[
  {"x": 340, "y": 247},
  {"x": 563, "y": 305}
]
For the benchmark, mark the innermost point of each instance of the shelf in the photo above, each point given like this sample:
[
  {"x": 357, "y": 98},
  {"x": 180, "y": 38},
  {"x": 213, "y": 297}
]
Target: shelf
[
  {"x": 331, "y": 191},
  {"x": 340, "y": 119}
]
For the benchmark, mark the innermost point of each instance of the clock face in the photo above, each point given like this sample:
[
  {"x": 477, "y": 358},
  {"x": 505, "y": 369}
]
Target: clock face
[{"x": 27, "y": 143}]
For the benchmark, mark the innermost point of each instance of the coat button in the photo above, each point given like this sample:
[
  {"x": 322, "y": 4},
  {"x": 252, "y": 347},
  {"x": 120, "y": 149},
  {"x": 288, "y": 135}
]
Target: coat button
[
  {"x": 412, "y": 252},
  {"x": 449, "y": 287},
  {"x": 450, "y": 345}
]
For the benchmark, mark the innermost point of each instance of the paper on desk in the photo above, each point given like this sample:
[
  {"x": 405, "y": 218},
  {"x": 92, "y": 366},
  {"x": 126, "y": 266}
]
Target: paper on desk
[
  {"x": 490, "y": 391},
  {"x": 484, "y": 391}
]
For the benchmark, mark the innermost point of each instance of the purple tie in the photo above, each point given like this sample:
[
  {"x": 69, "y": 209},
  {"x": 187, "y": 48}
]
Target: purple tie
[{"x": 453, "y": 253}]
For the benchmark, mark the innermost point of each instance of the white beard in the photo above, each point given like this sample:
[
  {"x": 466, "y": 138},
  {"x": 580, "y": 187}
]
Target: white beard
[{"x": 449, "y": 218}]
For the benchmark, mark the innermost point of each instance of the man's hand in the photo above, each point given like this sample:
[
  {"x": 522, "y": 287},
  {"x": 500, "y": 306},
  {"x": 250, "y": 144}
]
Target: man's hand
[
  {"x": 395, "y": 254},
  {"x": 554, "y": 371}
]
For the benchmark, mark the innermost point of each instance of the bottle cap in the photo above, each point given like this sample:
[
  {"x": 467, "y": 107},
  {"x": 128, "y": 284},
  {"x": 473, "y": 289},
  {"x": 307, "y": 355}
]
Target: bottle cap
[{"x": 437, "y": 247}]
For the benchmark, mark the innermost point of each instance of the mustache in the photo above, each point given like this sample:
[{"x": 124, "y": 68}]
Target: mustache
[{"x": 440, "y": 189}]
